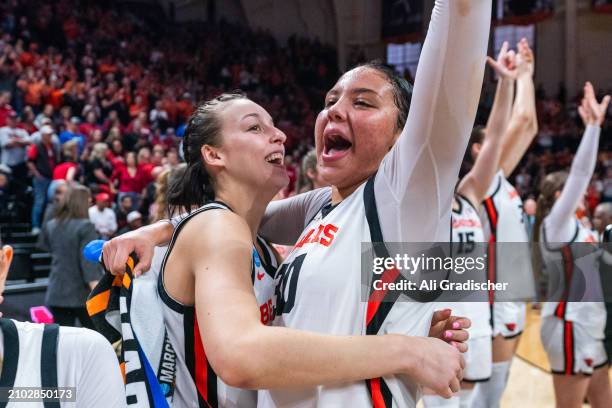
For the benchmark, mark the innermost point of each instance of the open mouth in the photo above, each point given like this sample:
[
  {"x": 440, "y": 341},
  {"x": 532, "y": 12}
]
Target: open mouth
[
  {"x": 336, "y": 147},
  {"x": 276, "y": 158}
]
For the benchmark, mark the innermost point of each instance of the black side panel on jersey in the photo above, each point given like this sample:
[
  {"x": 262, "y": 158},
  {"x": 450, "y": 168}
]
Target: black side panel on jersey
[
  {"x": 48, "y": 361},
  {"x": 11, "y": 355},
  {"x": 378, "y": 310},
  {"x": 381, "y": 251}
]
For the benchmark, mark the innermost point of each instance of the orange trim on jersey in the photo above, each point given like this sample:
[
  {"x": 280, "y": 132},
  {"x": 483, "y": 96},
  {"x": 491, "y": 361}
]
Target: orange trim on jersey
[
  {"x": 377, "y": 296},
  {"x": 122, "y": 368},
  {"x": 568, "y": 268},
  {"x": 492, "y": 213},
  {"x": 201, "y": 363},
  {"x": 98, "y": 303},
  {"x": 568, "y": 342},
  {"x": 491, "y": 248},
  {"x": 377, "y": 398}
]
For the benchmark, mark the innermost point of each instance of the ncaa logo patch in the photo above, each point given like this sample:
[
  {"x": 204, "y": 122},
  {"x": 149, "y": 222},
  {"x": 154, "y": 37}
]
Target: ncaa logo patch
[{"x": 256, "y": 258}]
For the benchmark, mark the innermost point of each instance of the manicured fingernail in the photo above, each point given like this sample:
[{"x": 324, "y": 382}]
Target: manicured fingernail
[
  {"x": 448, "y": 334},
  {"x": 456, "y": 325}
]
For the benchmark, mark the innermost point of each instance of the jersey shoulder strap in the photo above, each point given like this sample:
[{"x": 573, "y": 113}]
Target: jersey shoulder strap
[
  {"x": 11, "y": 355},
  {"x": 48, "y": 361},
  {"x": 214, "y": 205}
]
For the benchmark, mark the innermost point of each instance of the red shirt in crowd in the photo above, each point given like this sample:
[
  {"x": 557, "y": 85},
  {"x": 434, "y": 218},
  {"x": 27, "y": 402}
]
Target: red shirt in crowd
[
  {"x": 130, "y": 183},
  {"x": 61, "y": 170},
  {"x": 147, "y": 169}
]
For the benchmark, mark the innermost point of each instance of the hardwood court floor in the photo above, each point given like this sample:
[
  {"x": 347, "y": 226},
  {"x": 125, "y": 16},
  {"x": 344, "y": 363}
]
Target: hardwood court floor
[{"x": 530, "y": 384}]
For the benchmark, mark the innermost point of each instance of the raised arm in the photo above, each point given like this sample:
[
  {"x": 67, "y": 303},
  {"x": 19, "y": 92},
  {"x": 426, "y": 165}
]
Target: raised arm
[
  {"x": 417, "y": 177},
  {"x": 245, "y": 353},
  {"x": 559, "y": 222},
  {"x": 475, "y": 184},
  {"x": 523, "y": 124}
]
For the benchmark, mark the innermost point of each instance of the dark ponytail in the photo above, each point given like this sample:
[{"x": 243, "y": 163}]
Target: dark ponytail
[
  {"x": 195, "y": 188},
  {"x": 476, "y": 137}
]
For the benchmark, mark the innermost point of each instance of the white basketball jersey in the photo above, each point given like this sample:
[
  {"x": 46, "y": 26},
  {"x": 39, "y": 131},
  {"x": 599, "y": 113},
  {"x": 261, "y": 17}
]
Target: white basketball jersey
[
  {"x": 504, "y": 221},
  {"x": 319, "y": 289},
  {"x": 49, "y": 356},
  {"x": 197, "y": 385},
  {"x": 503, "y": 208},
  {"x": 466, "y": 231},
  {"x": 573, "y": 273}
]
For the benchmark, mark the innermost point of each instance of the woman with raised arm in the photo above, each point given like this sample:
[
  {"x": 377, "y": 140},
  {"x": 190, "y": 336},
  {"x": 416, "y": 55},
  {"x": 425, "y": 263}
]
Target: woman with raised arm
[
  {"x": 573, "y": 331},
  {"x": 393, "y": 171}
]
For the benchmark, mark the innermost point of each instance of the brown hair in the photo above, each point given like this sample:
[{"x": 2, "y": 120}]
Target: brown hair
[
  {"x": 162, "y": 182},
  {"x": 476, "y": 137},
  {"x": 309, "y": 162},
  {"x": 74, "y": 204},
  {"x": 194, "y": 187},
  {"x": 549, "y": 186}
]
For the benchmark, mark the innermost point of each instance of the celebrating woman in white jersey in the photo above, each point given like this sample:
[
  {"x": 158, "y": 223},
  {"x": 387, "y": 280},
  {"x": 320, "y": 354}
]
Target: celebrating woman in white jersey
[
  {"x": 389, "y": 184},
  {"x": 235, "y": 166},
  {"x": 467, "y": 233},
  {"x": 574, "y": 319}
]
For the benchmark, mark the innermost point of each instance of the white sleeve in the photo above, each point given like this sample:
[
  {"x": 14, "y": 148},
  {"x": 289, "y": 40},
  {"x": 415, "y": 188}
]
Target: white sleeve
[
  {"x": 285, "y": 219},
  {"x": 93, "y": 362},
  {"x": 560, "y": 223},
  {"x": 416, "y": 179}
]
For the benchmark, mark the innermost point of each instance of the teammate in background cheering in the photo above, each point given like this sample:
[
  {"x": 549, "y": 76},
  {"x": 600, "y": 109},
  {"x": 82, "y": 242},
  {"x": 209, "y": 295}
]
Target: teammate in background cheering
[
  {"x": 467, "y": 228},
  {"x": 573, "y": 331},
  {"x": 505, "y": 223}
]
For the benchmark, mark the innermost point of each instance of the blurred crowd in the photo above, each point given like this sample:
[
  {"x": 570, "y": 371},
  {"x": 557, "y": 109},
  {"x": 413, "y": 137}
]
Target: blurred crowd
[{"x": 99, "y": 93}]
